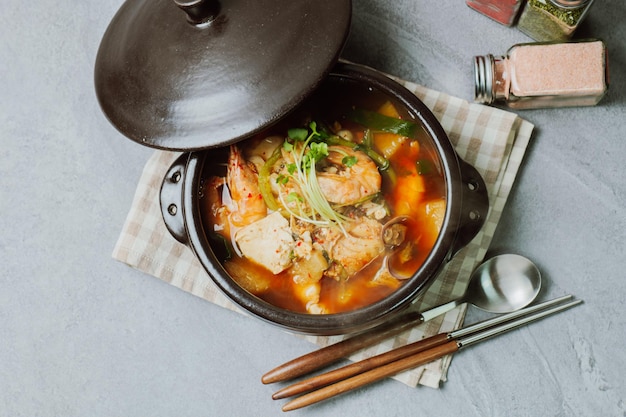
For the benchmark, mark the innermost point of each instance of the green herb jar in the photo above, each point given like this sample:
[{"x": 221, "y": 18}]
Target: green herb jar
[{"x": 552, "y": 20}]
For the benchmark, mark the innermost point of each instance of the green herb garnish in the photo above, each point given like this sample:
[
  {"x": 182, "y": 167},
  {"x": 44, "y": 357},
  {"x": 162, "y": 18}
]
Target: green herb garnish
[
  {"x": 294, "y": 197},
  {"x": 297, "y": 133},
  {"x": 307, "y": 148},
  {"x": 349, "y": 161}
]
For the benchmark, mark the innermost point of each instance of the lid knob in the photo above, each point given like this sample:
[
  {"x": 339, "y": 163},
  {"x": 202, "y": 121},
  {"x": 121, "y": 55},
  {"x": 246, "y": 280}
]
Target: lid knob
[{"x": 199, "y": 12}]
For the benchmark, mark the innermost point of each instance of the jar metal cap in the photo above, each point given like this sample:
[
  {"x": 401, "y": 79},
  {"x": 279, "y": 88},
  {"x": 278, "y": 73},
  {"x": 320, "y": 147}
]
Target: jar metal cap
[
  {"x": 483, "y": 79},
  {"x": 569, "y": 4}
]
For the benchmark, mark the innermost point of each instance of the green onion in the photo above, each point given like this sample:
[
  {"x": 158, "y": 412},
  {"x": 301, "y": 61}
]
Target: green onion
[
  {"x": 424, "y": 167},
  {"x": 219, "y": 239},
  {"x": 377, "y": 121},
  {"x": 264, "y": 180},
  {"x": 368, "y": 138}
]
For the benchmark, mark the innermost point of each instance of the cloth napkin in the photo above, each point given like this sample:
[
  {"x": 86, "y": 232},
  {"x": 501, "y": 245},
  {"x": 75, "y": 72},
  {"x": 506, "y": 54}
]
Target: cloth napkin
[{"x": 492, "y": 140}]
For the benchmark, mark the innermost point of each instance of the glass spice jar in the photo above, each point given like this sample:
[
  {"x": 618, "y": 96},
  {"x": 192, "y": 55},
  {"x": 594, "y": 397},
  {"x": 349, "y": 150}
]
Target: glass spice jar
[
  {"x": 502, "y": 11},
  {"x": 544, "y": 74},
  {"x": 552, "y": 20}
]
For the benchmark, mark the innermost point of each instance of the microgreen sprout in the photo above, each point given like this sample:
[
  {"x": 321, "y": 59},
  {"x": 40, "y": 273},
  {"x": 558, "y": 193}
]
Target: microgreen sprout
[{"x": 307, "y": 147}]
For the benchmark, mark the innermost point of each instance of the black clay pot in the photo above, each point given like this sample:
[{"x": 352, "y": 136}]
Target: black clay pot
[
  {"x": 197, "y": 75},
  {"x": 467, "y": 206}
]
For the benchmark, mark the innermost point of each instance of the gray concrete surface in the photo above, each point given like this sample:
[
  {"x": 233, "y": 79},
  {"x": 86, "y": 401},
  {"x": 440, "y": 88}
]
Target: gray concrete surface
[{"x": 82, "y": 335}]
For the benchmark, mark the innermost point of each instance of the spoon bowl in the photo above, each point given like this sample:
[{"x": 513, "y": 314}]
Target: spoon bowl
[{"x": 503, "y": 284}]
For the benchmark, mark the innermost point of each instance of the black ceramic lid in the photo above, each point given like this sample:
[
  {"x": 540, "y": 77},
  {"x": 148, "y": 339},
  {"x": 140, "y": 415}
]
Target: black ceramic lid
[{"x": 194, "y": 74}]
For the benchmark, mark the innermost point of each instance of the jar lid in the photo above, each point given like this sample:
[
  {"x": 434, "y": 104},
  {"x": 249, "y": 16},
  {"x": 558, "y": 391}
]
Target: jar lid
[
  {"x": 569, "y": 4},
  {"x": 483, "y": 79},
  {"x": 194, "y": 74}
]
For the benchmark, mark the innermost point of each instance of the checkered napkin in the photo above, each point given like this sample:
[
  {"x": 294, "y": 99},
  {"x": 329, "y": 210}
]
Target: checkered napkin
[{"x": 492, "y": 140}]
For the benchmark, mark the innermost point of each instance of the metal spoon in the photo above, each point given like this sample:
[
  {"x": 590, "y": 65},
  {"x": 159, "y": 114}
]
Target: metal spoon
[
  {"x": 501, "y": 284},
  {"x": 504, "y": 283}
]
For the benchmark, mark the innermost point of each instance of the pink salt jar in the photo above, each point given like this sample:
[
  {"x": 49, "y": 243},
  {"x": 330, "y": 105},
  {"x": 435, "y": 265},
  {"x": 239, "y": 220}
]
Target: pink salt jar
[{"x": 540, "y": 75}]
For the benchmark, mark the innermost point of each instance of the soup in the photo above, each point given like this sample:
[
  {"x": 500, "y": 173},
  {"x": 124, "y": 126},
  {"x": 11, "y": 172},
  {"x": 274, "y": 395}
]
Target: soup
[{"x": 330, "y": 210}]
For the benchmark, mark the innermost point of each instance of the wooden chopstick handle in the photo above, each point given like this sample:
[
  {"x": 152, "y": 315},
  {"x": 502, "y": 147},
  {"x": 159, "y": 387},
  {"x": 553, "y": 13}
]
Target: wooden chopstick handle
[
  {"x": 372, "y": 375},
  {"x": 360, "y": 367},
  {"x": 330, "y": 354}
]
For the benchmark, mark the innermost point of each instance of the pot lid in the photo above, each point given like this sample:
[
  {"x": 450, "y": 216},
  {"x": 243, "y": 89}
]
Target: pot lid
[{"x": 194, "y": 74}]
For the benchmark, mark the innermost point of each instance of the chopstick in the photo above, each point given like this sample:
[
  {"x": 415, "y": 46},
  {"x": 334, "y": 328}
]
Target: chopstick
[
  {"x": 333, "y": 353},
  {"x": 327, "y": 355},
  {"x": 330, "y": 354},
  {"x": 430, "y": 349},
  {"x": 404, "y": 351}
]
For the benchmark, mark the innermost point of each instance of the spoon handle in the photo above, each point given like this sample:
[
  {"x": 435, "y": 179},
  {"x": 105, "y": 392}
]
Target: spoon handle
[
  {"x": 335, "y": 352},
  {"x": 442, "y": 309}
]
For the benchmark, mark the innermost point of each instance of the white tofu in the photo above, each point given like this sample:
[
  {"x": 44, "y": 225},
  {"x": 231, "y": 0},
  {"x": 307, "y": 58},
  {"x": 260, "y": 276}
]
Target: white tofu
[{"x": 267, "y": 242}]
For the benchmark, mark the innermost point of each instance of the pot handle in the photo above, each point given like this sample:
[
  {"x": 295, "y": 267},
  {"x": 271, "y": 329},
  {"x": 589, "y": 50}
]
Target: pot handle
[
  {"x": 171, "y": 196},
  {"x": 474, "y": 209}
]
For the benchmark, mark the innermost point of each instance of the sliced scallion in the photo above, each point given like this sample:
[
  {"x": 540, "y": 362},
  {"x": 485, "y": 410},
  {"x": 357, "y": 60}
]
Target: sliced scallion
[{"x": 377, "y": 121}]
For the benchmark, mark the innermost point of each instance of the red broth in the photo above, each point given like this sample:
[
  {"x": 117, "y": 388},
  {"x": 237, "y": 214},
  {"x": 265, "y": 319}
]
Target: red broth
[{"x": 412, "y": 186}]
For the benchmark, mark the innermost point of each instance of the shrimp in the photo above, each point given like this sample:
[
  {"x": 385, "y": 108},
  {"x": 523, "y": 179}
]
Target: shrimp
[
  {"x": 243, "y": 183},
  {"x": 346, "y": 185},
  {"x": 309, "y": 294},
  {"x": 217, "y": 198}
]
